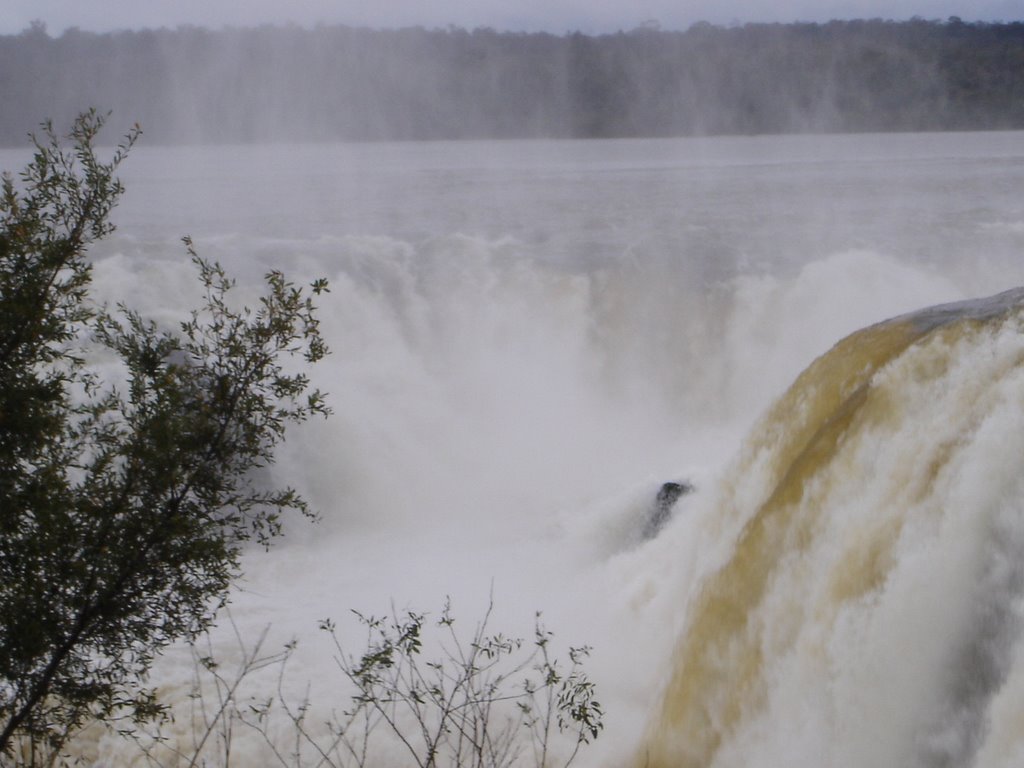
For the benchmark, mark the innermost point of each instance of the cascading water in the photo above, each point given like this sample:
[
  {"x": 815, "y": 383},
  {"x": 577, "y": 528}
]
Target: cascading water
[
  {"x": 529, "y": 338},
  {"x": 869, "y": 611}
]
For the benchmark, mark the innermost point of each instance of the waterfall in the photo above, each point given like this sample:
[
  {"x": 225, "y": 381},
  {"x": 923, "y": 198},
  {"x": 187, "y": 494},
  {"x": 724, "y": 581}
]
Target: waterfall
[{"x": 868, "y": 609}]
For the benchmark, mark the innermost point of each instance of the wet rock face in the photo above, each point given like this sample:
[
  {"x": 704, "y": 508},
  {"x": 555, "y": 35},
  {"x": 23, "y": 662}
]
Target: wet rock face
[{"x": 661, "y": 511}]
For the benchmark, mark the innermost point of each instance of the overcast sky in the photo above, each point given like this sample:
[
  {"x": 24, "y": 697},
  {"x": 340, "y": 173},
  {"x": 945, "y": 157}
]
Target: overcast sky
[{"x": 559, "y": 16}]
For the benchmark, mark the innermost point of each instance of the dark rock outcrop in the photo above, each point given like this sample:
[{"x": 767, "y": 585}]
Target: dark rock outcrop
[{"x": 661, "y": 511}]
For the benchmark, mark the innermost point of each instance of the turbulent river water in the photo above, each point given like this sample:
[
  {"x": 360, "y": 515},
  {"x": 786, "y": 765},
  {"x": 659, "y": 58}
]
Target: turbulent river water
[{"x": 529, "y": 338}]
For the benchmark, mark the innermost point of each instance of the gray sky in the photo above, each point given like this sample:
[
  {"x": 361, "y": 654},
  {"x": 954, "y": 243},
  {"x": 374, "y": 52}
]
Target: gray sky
[{"x": 522, "y": 15}]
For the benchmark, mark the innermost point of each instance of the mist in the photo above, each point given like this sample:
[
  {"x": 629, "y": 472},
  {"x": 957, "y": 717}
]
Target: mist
[
  {"x": 530, "y": 337},
  {"x": 268, "y": 84},
  {"x": 568, "y": 268}
]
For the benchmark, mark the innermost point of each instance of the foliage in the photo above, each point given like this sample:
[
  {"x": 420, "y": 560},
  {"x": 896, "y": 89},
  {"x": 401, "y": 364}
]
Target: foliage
[
  {"x": 469, "y": 705},
  {"x": 414, "y": 83},
  {"x": 416, "y": 697},
  {"x": 123, "y": 503}
]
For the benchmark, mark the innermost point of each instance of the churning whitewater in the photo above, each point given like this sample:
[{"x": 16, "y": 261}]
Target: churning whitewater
[
  {"x": 531, "y": 338},
  {"x": 869, "y": 612}
]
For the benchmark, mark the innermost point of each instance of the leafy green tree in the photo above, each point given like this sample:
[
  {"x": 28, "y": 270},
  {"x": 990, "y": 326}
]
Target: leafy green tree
[{"x": 124, "y": 504}]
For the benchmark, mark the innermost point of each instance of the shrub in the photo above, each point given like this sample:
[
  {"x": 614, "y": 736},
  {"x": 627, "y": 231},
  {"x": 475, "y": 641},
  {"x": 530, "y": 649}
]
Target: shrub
[{"x": 420, "y": 693}]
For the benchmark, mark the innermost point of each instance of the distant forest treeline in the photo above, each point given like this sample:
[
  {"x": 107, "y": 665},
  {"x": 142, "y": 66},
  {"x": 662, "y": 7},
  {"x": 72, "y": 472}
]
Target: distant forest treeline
[{"x": 333, "y": 82}]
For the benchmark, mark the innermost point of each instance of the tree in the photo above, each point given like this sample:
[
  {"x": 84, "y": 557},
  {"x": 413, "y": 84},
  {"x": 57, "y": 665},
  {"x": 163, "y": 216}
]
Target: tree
[{"x": 124, "y": 505}]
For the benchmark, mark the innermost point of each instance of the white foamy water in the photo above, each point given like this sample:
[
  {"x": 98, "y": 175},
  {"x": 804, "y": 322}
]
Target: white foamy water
[{"x": 529, "y": 338}]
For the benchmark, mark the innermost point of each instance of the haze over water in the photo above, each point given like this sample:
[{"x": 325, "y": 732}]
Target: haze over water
[{"x": 530, "y": 337}]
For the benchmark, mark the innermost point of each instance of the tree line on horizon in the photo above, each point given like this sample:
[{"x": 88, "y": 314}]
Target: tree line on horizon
[{"x": 236, "y": 85}]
